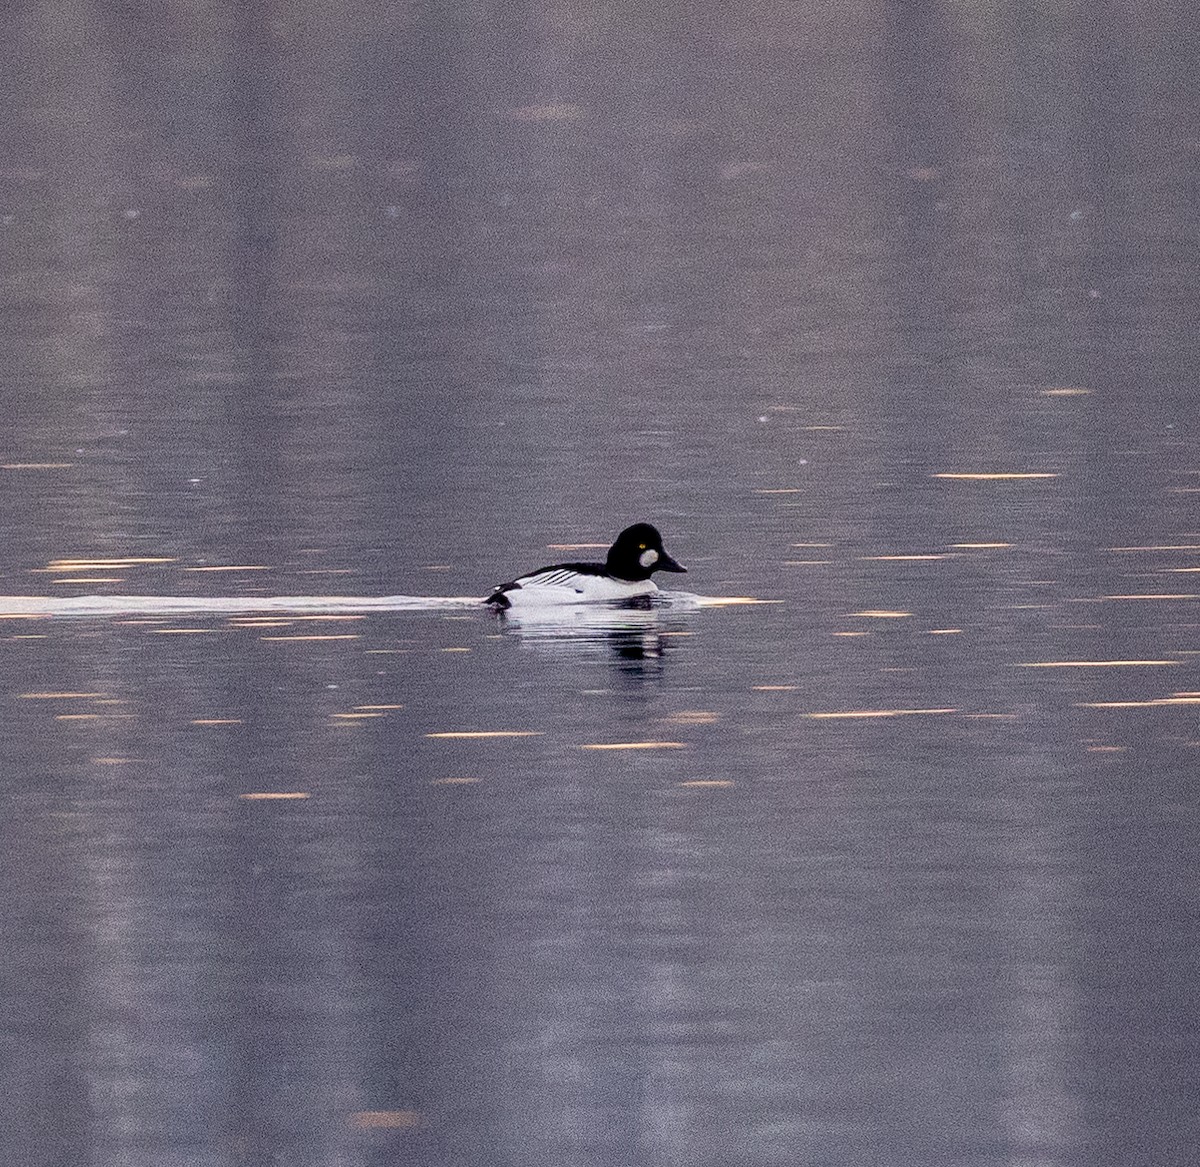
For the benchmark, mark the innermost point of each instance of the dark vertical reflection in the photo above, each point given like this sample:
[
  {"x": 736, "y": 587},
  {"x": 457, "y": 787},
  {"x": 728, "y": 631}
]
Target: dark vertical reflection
[
  {"x": 50, "y": 1113},
  {"x": 262, "y": 172},
  {"x": 1115, "y": 261},
  {"x": 920, "y": 160},
  {"x": 1142, "y": 337},
  {"x": 963, "y": 275}
]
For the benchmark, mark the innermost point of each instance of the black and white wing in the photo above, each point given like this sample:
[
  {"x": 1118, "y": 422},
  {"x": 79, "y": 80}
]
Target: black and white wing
[
  {"x": 553, "y": 577},
  {"x": 562, "y": 583}
]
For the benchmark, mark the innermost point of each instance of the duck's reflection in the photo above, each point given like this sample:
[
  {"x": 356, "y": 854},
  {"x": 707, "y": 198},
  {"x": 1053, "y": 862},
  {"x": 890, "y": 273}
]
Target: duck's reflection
[{"x": 635, "y": 639}]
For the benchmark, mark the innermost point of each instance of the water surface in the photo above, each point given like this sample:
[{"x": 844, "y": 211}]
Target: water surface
[{"x": 318, "y": 320}]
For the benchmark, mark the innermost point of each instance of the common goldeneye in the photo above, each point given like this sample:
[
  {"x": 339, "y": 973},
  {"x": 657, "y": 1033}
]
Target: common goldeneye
[{"x": 636, "y": 555}]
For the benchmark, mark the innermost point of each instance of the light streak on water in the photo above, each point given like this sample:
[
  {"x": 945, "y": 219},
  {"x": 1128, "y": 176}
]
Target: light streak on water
[
  {"x": 1004, "y": 477},
  {"x": 1092, "y": 664},
  {"x": 307, "y": 607},
  {"x": 857, "y": 713},
  {"x": 634, "y": 746}
]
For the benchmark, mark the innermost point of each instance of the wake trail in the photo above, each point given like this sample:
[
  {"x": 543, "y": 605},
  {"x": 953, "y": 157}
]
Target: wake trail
[{"x": 103, "y": 607}]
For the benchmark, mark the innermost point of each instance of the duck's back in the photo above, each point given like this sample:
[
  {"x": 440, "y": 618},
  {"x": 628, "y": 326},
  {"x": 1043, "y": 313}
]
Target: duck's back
[{"x": 568, "y": 583}]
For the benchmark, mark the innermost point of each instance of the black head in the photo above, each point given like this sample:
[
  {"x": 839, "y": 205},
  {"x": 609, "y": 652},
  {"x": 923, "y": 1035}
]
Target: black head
[{"x": 638, "y": 553}]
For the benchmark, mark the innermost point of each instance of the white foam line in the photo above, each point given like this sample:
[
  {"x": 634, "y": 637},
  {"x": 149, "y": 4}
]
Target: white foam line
[
  {"x": 104, "y": 606},
  {"x": 100, "y": 607}
]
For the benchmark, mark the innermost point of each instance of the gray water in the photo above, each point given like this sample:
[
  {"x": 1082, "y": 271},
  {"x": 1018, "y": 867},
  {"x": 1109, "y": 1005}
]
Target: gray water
[{"x": 310, "y": 307}]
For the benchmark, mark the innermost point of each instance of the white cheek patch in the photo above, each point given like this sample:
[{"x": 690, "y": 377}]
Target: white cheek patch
[{"x": 648, "y": 558}]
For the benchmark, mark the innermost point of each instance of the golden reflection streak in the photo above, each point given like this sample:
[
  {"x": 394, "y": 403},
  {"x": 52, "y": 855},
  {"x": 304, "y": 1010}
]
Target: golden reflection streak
[
  {"x": 356, "y": 716},
  {"x": 274, "y": 795},
  {"x": 233, "y": 567},
  {"x": 36, "y": 465},
  {"x": 693, "y": 717},
  {"x": 455, "y": 781},
  {"x": 551, "y": 111},
  {"x": 487, "y": 733},
  {"x": 94, "y": 579},
  {"x": 634, "y": 746},
  {"x": 1158, "y": 547},
  {"x": 1158, "y": 701},
  {"x": 943, "y": 631},
  {"x": 316, "y": 636},
  {"x": 1091, "y": 664},
  {"x": 88, "y": 564},
  {"x": 328, "y": 616},
  {"x": 59, "y": 696},
  {"x": 1153, "y": 596},
  {"x": 707, "y": 783},
  {"x": 979, "y": 546},
  {"x": 385, "y": 1119},
  {"x": 881, "y": 614},
  {"x": 898, "y": 558},
  {"x": 851, "y": 634},
  {"x": 851, "y": 713},
  {"x": 978, "y": 477},
  {"x": 1065, "y": 392}
]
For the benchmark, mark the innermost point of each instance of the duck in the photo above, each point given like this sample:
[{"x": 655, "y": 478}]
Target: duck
[{"x": 636, "y": 554}]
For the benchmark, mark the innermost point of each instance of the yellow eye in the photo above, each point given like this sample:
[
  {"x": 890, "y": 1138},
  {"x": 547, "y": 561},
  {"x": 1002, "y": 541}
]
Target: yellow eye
[{"x": 641, "y": 546}]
